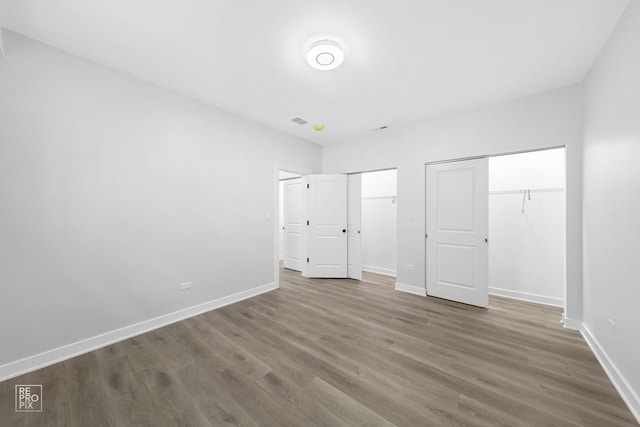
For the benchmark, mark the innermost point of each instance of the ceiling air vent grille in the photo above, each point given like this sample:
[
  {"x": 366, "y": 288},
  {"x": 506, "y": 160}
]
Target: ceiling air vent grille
[{"x": 299, "y": 121}]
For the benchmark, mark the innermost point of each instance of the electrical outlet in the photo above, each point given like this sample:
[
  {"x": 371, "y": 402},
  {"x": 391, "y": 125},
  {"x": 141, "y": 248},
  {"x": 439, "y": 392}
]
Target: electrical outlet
[
  {"x": 411, "y": 267},
  {"x": 184, "y": 286},
  {"x": 612, "y": 327}
]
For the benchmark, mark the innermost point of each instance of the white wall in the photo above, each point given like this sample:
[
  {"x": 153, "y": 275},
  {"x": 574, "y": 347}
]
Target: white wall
[
  {"x": 379, "y": 222},
  {"x": 527, "y": 249},
  {"x": 114, "y": 191},
  {"x": 612, "y": 206},
  {"x": 544, "y": 120}
]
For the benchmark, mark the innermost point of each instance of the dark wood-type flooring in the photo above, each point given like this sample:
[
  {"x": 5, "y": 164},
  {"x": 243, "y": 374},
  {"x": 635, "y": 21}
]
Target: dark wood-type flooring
[{"x": 335, "y": 353}]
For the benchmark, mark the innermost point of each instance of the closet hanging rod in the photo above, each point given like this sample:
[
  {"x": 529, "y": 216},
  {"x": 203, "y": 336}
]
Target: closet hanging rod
[{"x": 539, "y": 190}]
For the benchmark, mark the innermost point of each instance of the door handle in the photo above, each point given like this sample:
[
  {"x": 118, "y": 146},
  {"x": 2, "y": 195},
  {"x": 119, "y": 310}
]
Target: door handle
[{"x": 344, "y": 230}]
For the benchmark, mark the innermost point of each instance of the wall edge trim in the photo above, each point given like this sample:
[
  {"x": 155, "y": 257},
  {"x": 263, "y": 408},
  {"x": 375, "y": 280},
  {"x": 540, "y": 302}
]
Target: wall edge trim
[
  {"x": 410, "y": 289},
  {"x": 524, "y": 296},
  {"x": 628, "y": 395},
  {"x": 65, "y": 352},
  {"x": 569, "y": 323},
  {"x": 379, "y": 270}
]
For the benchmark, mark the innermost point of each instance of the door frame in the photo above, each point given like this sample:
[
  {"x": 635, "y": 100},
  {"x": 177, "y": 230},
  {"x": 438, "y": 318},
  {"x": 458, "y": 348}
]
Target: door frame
[
  {"x": 488, "y": 156},
  {"x": 392, "y": 168}
]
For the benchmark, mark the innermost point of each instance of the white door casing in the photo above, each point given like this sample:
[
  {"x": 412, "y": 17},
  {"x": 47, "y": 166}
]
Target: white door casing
[
  {"x": 294, "y": 223},
  {"x": 354, "y": 225},
  {"x": 457, "y": 231},
  {"x": 327, "y": 229}
]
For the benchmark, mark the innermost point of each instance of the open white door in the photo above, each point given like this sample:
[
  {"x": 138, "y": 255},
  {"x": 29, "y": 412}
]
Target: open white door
[
  {"x": 294, "y": 223},
  {"x": 354, "y": 224},
  {"x": 457, "y": 227},
  {"x": 327, "y": 227}
]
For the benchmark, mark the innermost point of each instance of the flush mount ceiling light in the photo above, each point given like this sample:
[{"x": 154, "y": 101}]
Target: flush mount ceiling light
[{"x": 325, "y": 55}]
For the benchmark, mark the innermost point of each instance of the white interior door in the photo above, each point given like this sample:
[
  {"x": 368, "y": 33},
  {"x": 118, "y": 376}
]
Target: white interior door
[
  {"x": 354, "y": 224},
  {"x": 294, "y": 224},
  {"x": 327, "y": 228},
  {"x": 457, "y": 228}
]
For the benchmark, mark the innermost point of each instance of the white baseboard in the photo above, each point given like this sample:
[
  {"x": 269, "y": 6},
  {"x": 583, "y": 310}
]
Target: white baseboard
[
  {"x": 524, "y": 296},
  {"x": 626, "y": 392},
  {"x": 47, "y": 358},
  {"x": 415, "y": 290},
  {"x": 572, "y": 324},
  {"x": 379, "y": 270}
]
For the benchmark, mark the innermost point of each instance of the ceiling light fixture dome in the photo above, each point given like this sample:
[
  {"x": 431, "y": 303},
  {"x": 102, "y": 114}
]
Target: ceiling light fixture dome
[{"x": 325, "y": 55}]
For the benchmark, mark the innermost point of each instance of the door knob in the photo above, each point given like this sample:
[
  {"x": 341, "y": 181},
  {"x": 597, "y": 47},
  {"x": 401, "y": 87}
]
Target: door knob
[{"x": 344, "y": 230}]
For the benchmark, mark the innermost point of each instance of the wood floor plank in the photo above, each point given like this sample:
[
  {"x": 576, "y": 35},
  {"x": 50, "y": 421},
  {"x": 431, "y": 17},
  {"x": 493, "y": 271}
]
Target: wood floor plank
[
  {"x": 347, "y": 409},
  {"x": 89, "y": 403},
  {"x": 323, "y": 352},
  {"x": 212, "y": 397},
  {"x": 121, "y": 386}
]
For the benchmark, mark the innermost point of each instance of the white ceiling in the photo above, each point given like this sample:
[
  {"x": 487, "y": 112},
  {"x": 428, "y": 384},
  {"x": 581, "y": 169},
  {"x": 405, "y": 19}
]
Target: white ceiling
[{"x": 406, "y": 60}]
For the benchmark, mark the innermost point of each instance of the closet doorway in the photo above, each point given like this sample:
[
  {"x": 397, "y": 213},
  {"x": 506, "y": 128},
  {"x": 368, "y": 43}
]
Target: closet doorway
[
  {"x": 496, "y": 225},
  {"x": 379, "y": 221},
  {"x": 527, "y": 205}
]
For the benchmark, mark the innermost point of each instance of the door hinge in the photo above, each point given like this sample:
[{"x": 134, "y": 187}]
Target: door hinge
[
  {"x": 426, "y": 236},
  {"x": 486, "y": 240},
  {"x": 307, "y": 222},
  {"x": 307, "y": 259},
  {"x": 307, "y": 185}
]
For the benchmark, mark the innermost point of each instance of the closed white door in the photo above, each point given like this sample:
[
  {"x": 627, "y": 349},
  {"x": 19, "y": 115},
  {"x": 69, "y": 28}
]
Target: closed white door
[
  {"x": 327, "y": 227},
  {"x": 354, "y": 223},
  {"x": 294, "y": 223},
  {"x": 457, "y": 227}
]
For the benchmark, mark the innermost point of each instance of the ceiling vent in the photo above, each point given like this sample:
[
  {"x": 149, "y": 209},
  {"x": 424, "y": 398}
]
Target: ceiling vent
[{"x": 299, "y": 121}]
